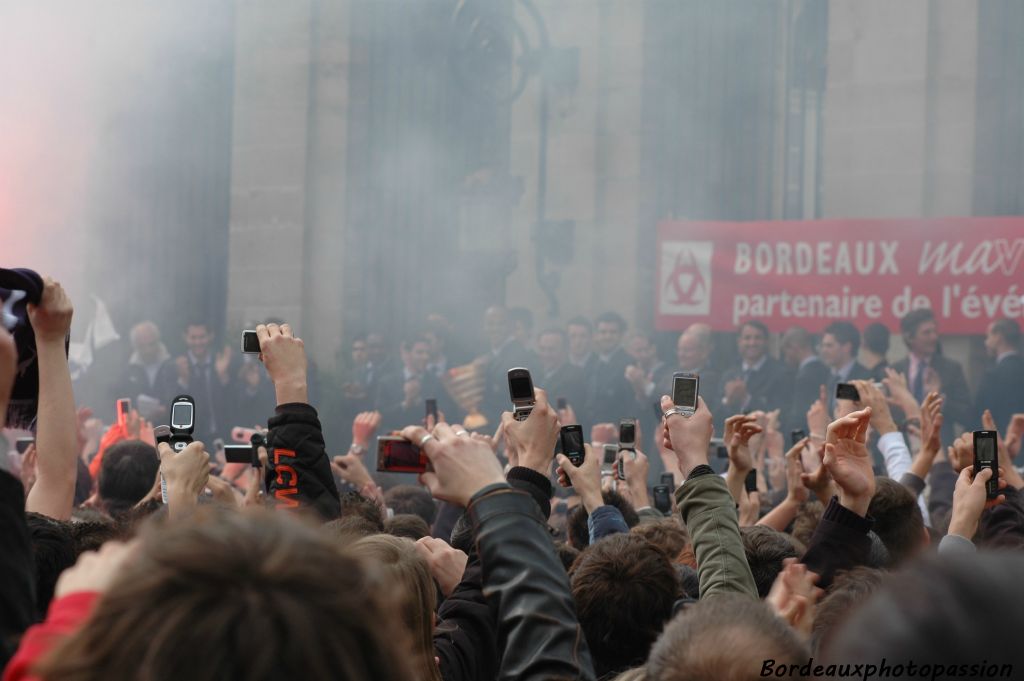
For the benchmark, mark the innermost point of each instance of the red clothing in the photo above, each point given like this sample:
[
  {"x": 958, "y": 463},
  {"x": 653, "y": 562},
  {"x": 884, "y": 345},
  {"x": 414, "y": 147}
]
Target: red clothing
[
  {"x": 66, "y": 615},
  {"x": 116, "y": 433}
]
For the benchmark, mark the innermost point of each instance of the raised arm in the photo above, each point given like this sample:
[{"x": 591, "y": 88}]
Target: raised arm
[{"x": 53, "y": 494}]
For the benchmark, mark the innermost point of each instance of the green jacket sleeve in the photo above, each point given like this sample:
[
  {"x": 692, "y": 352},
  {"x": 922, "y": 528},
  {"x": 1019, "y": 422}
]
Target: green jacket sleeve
[{"x": 709, "y": 514}]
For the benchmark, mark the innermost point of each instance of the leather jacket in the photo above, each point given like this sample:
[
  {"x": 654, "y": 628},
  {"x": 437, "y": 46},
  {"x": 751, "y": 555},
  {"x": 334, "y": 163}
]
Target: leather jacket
[{"x": 537, "y": 627}]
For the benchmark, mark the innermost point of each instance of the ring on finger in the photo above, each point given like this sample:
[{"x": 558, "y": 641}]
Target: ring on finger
[
  {"x": 426, "y": 438},
  {"x": 462, "y": 433}
]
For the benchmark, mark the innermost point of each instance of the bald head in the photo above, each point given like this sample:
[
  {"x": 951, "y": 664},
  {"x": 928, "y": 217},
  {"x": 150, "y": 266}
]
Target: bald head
[
  {"x": 146, "y": 341},
  {"x": 797, "y": 344},
  {"x": 693, "y": 350}
]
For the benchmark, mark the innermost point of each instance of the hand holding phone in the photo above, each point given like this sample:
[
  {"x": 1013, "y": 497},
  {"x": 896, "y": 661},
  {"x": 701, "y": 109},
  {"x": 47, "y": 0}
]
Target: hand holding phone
[
  {"x": 395, "y": 454},
  {"x": 685, "y": 391},
  {"x": 250, "y": 343},
  {"x": 986, "y": 455},
  {"x": 520, "y": 388}
]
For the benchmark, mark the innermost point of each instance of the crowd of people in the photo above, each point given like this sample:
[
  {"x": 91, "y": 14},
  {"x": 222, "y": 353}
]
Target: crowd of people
[{"x": 863, "y": 546}]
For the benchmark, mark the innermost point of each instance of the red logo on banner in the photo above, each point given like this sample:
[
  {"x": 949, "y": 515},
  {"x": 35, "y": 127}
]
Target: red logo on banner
[{"x": 686, "y": 280}]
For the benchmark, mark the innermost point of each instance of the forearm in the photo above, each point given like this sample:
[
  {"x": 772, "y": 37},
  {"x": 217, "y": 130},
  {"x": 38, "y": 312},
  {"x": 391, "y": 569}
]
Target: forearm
[
  {"x": 56, "y": 436},
  {"x": 735, "y": 480},
  {"x": 782, "y": 515},
  {"x": 291, "y": 391}
]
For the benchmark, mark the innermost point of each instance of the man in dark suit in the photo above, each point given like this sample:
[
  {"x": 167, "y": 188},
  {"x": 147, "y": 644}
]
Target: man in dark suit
[
  {"x": 693, "y": 356},
  {"x": 927, "y": 370},
  {"x": 809, "y": 374},
  {"x": 840, "y": 344},
  {"x": 557, "y": 376},
  {"x": 150, "y": 379},
  {"x": 759, "y": 382},
  {"x": 580, "y": 333},
  {"x": 1001, "y": 388},
  {"x": 401, "y": 395},
  {"x": 505, "y": 353},
  {"x": 610, "y": 397},
  {"x": 208, "y": 379}
]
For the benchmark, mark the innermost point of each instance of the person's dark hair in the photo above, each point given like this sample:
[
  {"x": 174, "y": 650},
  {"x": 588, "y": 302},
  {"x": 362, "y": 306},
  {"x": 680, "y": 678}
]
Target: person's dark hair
[
  {"x": 580, "y": 321},
  {"x": 611, "y": 318},
  {"x": 844, "y": 332},
  {"x": 198, "y": 322},
  {"x": 355, "y": 504},
  {"x": 91, "y": 535},
  {"x": 249, "y": 596},
  {"x": 407, "y": 525},
  {"x": 898, "y": 520},
  {"x": 411, "y": 499},
  {"x": 348, "y": 529},
  {"x": 807, "y": 519},
  {"x": 576, "y": 521},
  {"x": 727, "y": 638},
  {"x": 127, "y": 474},
  {"x": 756, "y": 324},
  {"x": 1009, "y": 329},
  {"x": 555, "y": 331},
  {"x": 624, "y": 589},
  {"x": 53, "y": 551},
  {"x": 413, "y": 339},
  {"x": 876, "y": 338},
  {"x": 667, "y": 534},
  {"x": 914, "y": 319},
  {"x": 849, "y": 590},
  {"x": 765, "y": 548},
  {"x": 567, "y": 555},
  {"x": 943, "y": 610},
  {"x": 689, "y": 580},
  {"x": 462, "y": 537}
]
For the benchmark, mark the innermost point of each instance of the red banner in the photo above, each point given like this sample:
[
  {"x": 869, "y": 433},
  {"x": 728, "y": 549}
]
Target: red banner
[{"x": 969, "y": 271}]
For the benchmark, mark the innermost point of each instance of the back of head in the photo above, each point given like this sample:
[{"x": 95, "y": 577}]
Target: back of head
[
  {"x": 576, "y": 522},
  {"x": 849, "y": 590},
  {"x": 53, "y": 551},
  {"x": 949, "y": 609},
  {"x": 668, "y": 534},
  {"x": 407, "y": 525},
  {"x": 898, "y": 520},
  {"x": 624, "y": 589},
  {"x": 411, "y": 499},
  {"x": 254, "y": 596},
  {"x": 354, "y": 504},
  {"x": 127, "y": 474},
  {"x": 398, "y": 570},
  {"x": 1009, "y": 329},
  {"x": 766, "y": 548},
  {"x": 727, "y": 638}
]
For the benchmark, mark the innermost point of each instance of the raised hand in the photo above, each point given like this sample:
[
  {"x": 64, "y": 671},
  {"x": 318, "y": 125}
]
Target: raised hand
[
  {"x": 794, "y": 594},
  {"x": 462, "y": 465},
  {"x": 970, "y": 499},
  {"x": 899, "y": 393},
  {"x": 364, "y": 425},
  {"x": 795, "y": 489},
  {"x": 534, "y": 439},
  {"x": 931, "y": 423},
  {"x": 820, "y": 481},
  {"x": 818, "y": 416},
  {"x": 585, "y": 479},
  {"x": 51, "y": 318},
  {"x": 222, "y": 363},
  {"x": 848, "y": 461},
  {"x": 186, "y": 474},
  {"x": 284, "y": 355},
  {"x": 688, "y": 437},
  {"x": 739, "y": 430},
  {"x": 95, "y": 570},
  {"x": 445, "y": 563}
]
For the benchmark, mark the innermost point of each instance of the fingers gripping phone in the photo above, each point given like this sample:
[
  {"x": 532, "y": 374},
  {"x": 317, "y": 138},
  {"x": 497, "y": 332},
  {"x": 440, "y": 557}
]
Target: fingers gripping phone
[
  {"x": 572, "y": 444},
  {"x": 250, "y": 343},
  {"x": 986, "y": 455},
  {"x": 685, "y": 390},
  {"x": 847, "y": 391},
  {"x": 520, "y": 389},
  {"x": 124, "y": 408},
  {"x": 183, "y": 422}
]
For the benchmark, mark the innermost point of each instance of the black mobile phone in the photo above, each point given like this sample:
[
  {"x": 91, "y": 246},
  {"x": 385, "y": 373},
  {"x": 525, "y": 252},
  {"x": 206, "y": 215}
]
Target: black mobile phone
[
  {"x": 124, "y": 408},
  {"x": 796, "y": 435},
  {"x": 183, "y": 424},
  {"x": 620, "y": 467},
  {"x": 847, "y": 391},
  {"x": 572, "y": 443},
  {"x": 750, "y": 482},
  {"x": 238, "y": 454},
  {"x": 250, "y": 343},
  {"x": 986, "y": 455},
  {"x": 432, "y": 408},
  {"x": 23, "y": 443},
  {"x": 520, "y": 389},
  {"x": 685, "y": 389},
  {"x": 398, "y": 455},
  {"x": 668, "y": 479},
  {"x": 562, "y": 403},
  {"x": 662, "y": 500},
  {"x": 627, "y": 433}
]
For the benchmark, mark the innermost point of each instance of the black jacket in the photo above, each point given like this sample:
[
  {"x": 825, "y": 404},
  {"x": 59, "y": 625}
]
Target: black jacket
[
  {"x": 768, "y": 388},
  {"x": 17, "y": 580},
  {"x": 298, "y": 471},
  {"x": 538, "y": 633},
  {"x": 466, "y": 635},
  {"x": 568, "y": 381},
  {"x": 958, "y": 407},
  {"x": 391, "y": 395},
  {"x": 610, "y": 397},
  {"x": 840, "y": 542},
  {"x": 1001, "y": 390},
  {"x": 806, "y": 390}
]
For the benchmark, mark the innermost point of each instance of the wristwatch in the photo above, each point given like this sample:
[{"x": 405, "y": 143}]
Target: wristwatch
[{"x": 358, "y": 450}]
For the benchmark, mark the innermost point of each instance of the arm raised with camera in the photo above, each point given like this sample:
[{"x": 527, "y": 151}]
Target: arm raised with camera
[
  {"x": 53, "y": 494},
  {"x": 538, "y": 633},
  {"x": 707, "y": 507},
  {"x": 298, "y": 470}
]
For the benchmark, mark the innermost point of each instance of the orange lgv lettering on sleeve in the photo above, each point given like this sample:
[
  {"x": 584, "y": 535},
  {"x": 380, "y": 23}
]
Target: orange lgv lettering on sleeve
[{"x": 287, "y": 489}]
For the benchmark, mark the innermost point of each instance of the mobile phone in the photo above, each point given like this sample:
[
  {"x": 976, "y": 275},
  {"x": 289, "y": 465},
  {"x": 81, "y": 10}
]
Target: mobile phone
[
  {"x": 620, "y": 467},
  {"x": 627, "y": 434},
  {"x": 668, "y": 479},
  {"x": 662, "y": 500},
  {"x": 183, "y": 424},
  {"x": 685, "y": 389},
  {"x": 572, "y": 443},
  {"x": 432, "y": 408},
  {"x": 520, "y": 389},
  {"x": 398, "y": 455},
  {"x": 986, "y": 455},
  {"x": 562, "y": 403},
  {"x": 750, "y": 482},
  {"x": 611, "y": 452},
  {"x": 23, "y": 443},
  {"x": 250, "y": 343},
  {"x": 796, "y": 435},
  {"x": 238, "y": 454},
  {"x": 124, "y": 408},
  {"x": 847, "y": 391}
]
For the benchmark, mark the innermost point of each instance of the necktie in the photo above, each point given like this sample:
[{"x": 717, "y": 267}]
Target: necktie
[
  {"x": 918, "y": 387},
  {"x": 830, "y": 391}
]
